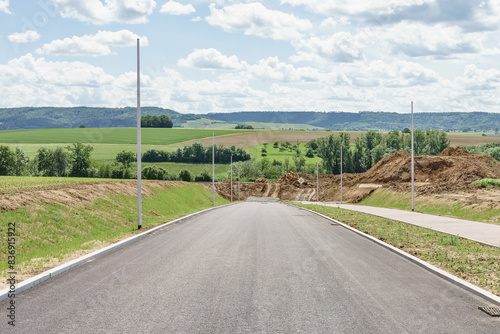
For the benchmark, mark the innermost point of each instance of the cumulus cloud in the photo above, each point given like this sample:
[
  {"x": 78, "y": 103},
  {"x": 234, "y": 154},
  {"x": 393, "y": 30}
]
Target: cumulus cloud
[
  {"x": 24, "y": 37},
  {"x": 356, "y": 7},
  {"x": 211, "y": 59},
  {"x": 99, "y": 44},
  {"x": 416, "y": 39},
  {"x": 4, "y": 6},
  {"x": 271, "y": 69},
  {"x": 175, "y": 8},
  {"x": 340, "y": 47},
  {"x": 256, "y": 19},
  {"x": 97, "y": 12}
]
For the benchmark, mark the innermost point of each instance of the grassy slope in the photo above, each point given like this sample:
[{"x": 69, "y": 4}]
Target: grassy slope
[
  {"x": 14, "y": 183},
  {"x": 388, "y": 199},
  {"x": 469, "y": 260},
  {"x": 51, "y": 233}
]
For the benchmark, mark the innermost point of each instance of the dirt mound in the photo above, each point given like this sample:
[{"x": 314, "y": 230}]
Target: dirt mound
[
  {"x": 454, "y": 168},
  {"x": 454, "y": 152},
  {"x": 75, "y": 195}
]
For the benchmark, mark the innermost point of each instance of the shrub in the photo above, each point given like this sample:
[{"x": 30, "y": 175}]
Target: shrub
[{"x": 185, "y": 175}]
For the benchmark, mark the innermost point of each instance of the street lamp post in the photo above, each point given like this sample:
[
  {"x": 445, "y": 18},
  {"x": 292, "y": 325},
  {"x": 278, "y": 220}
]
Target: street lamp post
[{"x": 139, "y": 170}]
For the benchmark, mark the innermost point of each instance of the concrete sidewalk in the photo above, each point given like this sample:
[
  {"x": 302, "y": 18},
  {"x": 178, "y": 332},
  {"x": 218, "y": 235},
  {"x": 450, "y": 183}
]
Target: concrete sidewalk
[{"x": 482, "y": 232}]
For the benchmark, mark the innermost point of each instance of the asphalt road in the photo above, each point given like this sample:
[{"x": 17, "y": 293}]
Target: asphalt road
[{"x": 250, "y": 268}]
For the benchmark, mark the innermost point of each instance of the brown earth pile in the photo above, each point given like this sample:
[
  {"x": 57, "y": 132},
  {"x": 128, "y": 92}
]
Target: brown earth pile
[
  {"x": 454, "y": 151},
  {"x": 454, "y": 169}
]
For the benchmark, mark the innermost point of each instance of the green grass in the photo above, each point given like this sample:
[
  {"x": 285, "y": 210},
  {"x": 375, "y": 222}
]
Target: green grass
[
  {"x": 437, "y": 206},
  {"x": 275, "y": 154},
  {"x": 14, "y": 183},
  {"x": 52, "y": 233},
  {"x": 488, "y": 183},
  {"x": 108, "y": 135},
  {"x": 472, "y": 261}
]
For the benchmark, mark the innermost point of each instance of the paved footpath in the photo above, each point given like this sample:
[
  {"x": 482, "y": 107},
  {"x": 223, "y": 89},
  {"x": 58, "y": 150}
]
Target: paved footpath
[{"x": 482, "y": 232}]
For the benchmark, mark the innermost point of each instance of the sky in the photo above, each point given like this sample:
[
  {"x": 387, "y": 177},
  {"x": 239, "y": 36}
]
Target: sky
[{"x": 227, "y": 55}]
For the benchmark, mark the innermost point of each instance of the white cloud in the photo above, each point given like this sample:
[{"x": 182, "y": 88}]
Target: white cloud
[
  {"x": 4, "y": 6},
  {"x": 333, "y": 22},
  {"x": 211, "y": 59},
  {"x": 478, "y": 79},
  {"x": 416, "y": 39},
  {"x": 175, "y": 8},
  {"x": 356, "y": 7},
  {"x": 339, "y": 47},
  {"x": 27, "y": 37},
  {"x": 271, "y": 69},
  {"x": 256, "y": 19},
  {"x": 92, "y": 45},
  {"x": 97, "y": 12}
]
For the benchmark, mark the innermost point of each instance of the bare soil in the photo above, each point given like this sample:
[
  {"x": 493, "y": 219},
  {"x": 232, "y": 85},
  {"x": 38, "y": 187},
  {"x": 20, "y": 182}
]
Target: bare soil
[{"x": 449, "y": 175}]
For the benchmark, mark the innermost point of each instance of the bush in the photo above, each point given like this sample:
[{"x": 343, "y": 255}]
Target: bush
[
  {"x": 203, "y": 177},
  {"x": 185, "y": 175}
]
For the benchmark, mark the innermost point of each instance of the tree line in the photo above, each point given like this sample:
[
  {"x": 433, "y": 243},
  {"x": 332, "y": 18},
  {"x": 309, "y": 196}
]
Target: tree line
[
  {"x": 197, "y": 153},
  {"x": 162, "y": 121},
  {"x": 372, "y": 146}
]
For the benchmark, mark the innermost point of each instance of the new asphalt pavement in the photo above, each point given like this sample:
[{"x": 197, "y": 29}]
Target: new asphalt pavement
[{"x": 250, "y": 268}]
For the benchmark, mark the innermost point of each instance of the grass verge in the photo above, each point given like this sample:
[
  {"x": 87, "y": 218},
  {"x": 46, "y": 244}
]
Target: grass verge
[
  {"x": 472, "y": 261},
  {"x": 51, "y": 234},
  {"x": 435, "y": 206}
]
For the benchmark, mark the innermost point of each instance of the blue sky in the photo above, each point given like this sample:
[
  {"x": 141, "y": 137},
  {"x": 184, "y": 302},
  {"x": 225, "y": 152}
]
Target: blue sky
[{"x": 224, "y": 56}]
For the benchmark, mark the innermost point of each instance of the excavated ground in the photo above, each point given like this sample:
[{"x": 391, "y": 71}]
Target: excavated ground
[{"x": 449, "y": 174}]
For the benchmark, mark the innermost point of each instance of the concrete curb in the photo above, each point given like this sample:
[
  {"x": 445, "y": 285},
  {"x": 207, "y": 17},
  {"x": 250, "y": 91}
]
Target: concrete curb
[
  {"x": 441, "y": 273},
  {"x": 31, "y": 282}
]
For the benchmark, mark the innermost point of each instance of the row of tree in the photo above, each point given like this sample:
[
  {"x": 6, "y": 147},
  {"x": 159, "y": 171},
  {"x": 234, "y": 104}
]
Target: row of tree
[
  {"x": 197, "y": 153},
  {"x": 372, "y": 146},
  {"x": 74, "y": 161}
]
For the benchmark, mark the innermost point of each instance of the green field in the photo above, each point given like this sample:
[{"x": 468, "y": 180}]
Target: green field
[
  {"x": 275, "y": 154},
  {"x": 108, "y": 135}
]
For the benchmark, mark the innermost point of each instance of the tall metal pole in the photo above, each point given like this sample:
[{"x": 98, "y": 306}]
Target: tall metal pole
[
  {"x": 412, "y": 164},
  {"x": 213, "y": 168},
  {"x": 341, "y": 163},
  {"x": 317, "y": 183},
  {"x": 231, "y": 178},
  {"x": 139, "y": 156},
  {"x": 238, "y": 184}
]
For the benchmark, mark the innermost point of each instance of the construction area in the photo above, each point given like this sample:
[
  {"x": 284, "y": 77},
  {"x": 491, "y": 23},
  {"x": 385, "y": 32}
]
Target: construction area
[{"x": 450, "y": 174}]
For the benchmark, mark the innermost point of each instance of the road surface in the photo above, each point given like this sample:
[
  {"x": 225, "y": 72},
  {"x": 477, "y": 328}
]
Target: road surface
[{"x": 250, "y": 268}]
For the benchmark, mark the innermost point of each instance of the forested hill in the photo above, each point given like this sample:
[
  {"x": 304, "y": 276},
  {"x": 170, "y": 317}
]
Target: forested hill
[
  {"x": 51, "y": 117},
  {"x": 366, "y": 120}
]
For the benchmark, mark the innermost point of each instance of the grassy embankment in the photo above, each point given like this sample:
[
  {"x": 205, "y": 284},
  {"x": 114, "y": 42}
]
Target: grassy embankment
[
  {"x": 474, "y": 262},
  {"x": 435, "y": 206},
  {"x": 50, "y": 234}
]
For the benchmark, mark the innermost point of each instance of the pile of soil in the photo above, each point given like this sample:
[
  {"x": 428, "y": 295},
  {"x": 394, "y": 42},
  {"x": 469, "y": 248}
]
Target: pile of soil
[
  {"x": 453, "y": 169},
  {"x": 453, "y": 165},
  {"x": 454, "y": 151}
]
